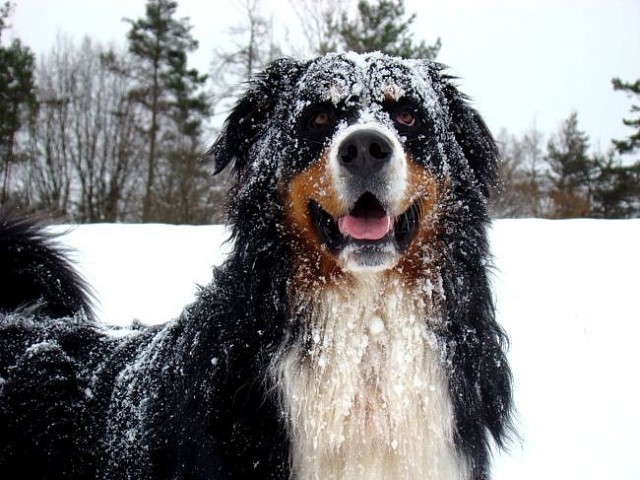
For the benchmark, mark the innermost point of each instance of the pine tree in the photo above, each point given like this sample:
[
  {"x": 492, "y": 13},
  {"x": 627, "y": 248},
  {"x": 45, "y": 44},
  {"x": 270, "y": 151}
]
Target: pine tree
[
  {"x": 617, "y": 185},
  {"x": 616, "y": 191},
  {"x": 167, "y": 88},
  {"x": 632, "y": 143},
  {"x": 571, "y": 170},
  {"x": 384, "y": 27},
  {"x": 17, "y": 97}
]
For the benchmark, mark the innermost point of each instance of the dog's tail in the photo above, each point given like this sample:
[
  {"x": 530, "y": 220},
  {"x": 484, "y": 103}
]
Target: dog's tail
[{"x": 35, "y": 273}]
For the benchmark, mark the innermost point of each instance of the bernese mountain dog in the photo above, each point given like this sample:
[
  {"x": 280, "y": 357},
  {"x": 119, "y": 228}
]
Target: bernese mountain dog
[{"x": 350, "y": 334}]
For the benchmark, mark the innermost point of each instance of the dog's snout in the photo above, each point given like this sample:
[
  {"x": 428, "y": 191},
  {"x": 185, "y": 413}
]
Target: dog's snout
[{"x": 364, "y": 152}]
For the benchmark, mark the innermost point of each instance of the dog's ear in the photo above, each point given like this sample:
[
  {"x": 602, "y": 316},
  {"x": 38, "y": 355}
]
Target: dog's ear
[
  {"x": 473, "y": 136},
  {"x": 251, "y": 114}
]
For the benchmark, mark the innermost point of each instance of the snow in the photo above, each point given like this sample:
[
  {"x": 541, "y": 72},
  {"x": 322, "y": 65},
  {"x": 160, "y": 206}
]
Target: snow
[
  {"x": 146, "y": 273},
  {"x": 567, "y": 294}
]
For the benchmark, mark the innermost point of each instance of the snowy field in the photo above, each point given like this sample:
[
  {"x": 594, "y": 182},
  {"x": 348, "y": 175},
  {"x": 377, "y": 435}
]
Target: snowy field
[{"x": 568, "y": 295}]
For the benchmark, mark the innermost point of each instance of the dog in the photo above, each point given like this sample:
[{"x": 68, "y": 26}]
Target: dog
[{"x": 350, "y": 333}]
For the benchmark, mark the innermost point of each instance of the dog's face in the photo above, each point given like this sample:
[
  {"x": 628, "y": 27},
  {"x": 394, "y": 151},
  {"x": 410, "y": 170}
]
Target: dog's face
[{"x": 361, "y": 153}]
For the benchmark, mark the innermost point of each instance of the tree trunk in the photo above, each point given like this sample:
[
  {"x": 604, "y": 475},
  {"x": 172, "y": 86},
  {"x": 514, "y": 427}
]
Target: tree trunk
[{"x": 147, "y": 203}]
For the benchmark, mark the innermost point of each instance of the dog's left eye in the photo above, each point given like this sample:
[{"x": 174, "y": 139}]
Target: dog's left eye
[{"x": 405, "y": 116}]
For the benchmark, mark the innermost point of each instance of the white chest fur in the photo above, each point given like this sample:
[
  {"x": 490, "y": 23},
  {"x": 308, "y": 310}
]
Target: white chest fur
[{"x": 367, "y": 397}]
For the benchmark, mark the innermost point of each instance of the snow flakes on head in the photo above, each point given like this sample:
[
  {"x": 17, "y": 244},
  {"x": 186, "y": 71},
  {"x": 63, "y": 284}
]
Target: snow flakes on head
[
  {"x": 358, "y": 89},
  {"x": 365, "y": 78}
]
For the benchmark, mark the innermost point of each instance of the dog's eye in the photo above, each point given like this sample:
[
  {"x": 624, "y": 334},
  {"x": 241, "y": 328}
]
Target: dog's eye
[
  {"x": 322, "y": 119},
  {"x": 405, "y": 116}
]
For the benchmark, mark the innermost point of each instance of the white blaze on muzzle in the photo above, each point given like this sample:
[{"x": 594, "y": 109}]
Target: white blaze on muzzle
[{"x": 387, "y": 183}]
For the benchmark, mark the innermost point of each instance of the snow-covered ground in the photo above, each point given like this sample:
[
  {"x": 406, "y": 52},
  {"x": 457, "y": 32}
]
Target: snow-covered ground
[{"x": 567, "y": 293}]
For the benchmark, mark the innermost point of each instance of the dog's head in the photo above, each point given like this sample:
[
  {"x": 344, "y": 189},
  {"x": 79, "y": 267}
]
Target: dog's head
[{"x": 356, "y": 157}]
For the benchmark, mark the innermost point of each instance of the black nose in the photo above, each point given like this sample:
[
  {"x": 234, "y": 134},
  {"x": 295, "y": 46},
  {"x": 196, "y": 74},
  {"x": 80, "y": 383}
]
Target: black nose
[{"x": 364, "y": 152}]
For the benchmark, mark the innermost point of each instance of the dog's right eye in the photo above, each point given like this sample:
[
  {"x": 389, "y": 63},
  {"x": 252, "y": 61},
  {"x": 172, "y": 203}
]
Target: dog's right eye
[{"x": 322, "y": 119}]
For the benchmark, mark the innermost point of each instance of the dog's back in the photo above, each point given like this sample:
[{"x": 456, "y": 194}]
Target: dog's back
[
  {"x": 81, "y": 400},
  {"x": 40, "y": 397}
]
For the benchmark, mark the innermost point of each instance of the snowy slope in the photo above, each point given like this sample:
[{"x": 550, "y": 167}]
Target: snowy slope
[
  {"x": 568, "y": 296},
  {"x": 567, "y": 293}
]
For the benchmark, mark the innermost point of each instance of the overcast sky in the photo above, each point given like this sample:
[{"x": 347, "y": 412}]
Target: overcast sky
[{"x": 523, "y": 62}]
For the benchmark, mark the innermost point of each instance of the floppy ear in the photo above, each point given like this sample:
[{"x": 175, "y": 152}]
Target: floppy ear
[
  {"x": 251, "y": 115},
  {"x": 473, "y": 136}
]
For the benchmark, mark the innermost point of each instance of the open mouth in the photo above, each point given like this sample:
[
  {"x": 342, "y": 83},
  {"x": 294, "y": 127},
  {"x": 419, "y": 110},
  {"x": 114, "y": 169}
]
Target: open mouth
[{"x": 367, "y": 224}]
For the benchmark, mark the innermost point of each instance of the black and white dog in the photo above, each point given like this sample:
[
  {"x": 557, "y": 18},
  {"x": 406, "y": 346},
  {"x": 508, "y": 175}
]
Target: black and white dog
[{"x": 350, "y": 334}]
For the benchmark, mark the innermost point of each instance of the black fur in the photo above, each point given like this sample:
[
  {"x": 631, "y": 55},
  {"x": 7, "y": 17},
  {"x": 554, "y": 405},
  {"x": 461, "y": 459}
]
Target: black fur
[
  {"x": 34, "y": 271},
  {"x": 191, "y": 399}
]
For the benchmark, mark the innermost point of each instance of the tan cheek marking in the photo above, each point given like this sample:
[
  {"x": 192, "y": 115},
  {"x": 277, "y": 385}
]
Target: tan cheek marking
[
  {"x": 423, "y": 187},
  {"x": 314, "y": 183}
]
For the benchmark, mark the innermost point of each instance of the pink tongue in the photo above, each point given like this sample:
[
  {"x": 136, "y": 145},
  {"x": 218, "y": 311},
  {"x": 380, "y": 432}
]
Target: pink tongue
[{"x": 365, "y": 228}]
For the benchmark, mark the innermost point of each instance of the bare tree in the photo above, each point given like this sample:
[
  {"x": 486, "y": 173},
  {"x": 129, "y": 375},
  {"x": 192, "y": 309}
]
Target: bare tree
[
  {"x": 117, "y": 191},
  {"x": 524, "y": 188},
  {"x": 320, "y": 21},
  {"x": 48, "y": 176},
  {"x": 509, "y": 199},
  {"x": 46, "y": 179},
  {"x": 536, "y": 184},
  {"x": 250, "y": 49},
  {"x": 85, "y": 140}
]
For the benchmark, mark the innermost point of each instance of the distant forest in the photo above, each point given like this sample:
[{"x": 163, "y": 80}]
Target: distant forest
[{"x": 93, "y": 134}]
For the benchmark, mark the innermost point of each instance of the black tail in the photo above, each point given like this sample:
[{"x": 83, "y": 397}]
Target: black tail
[{"x": 35, "y": 275}]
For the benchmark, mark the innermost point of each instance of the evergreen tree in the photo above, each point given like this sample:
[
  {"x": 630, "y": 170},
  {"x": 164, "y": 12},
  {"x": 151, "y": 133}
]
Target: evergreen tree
[
  {"x": 17, "y": 97},
  {"x": 383, "y": 26},
  {"x": 166, "y": 87},
  {"x": 632, "y": 143},
  {"x": 617, "y": 185},
  {"x": 616, "y": 191},
  {"x": 184, "y": 190},
  {"x": 571, "y": 170}
]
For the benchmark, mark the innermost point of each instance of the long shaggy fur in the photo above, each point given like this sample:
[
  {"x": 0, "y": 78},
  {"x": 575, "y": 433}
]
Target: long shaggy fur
[
  {"x": 35, "y": 274},
  {"x": 312, "y": 354}
]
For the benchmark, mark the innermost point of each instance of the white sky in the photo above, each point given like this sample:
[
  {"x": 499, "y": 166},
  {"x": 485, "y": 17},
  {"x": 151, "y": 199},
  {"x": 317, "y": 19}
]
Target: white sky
[{"x": 523, "y": 62}]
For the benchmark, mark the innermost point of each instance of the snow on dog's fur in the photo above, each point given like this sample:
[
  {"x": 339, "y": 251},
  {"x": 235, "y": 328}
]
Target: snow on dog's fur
[{"x": 350, "y": 334}]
